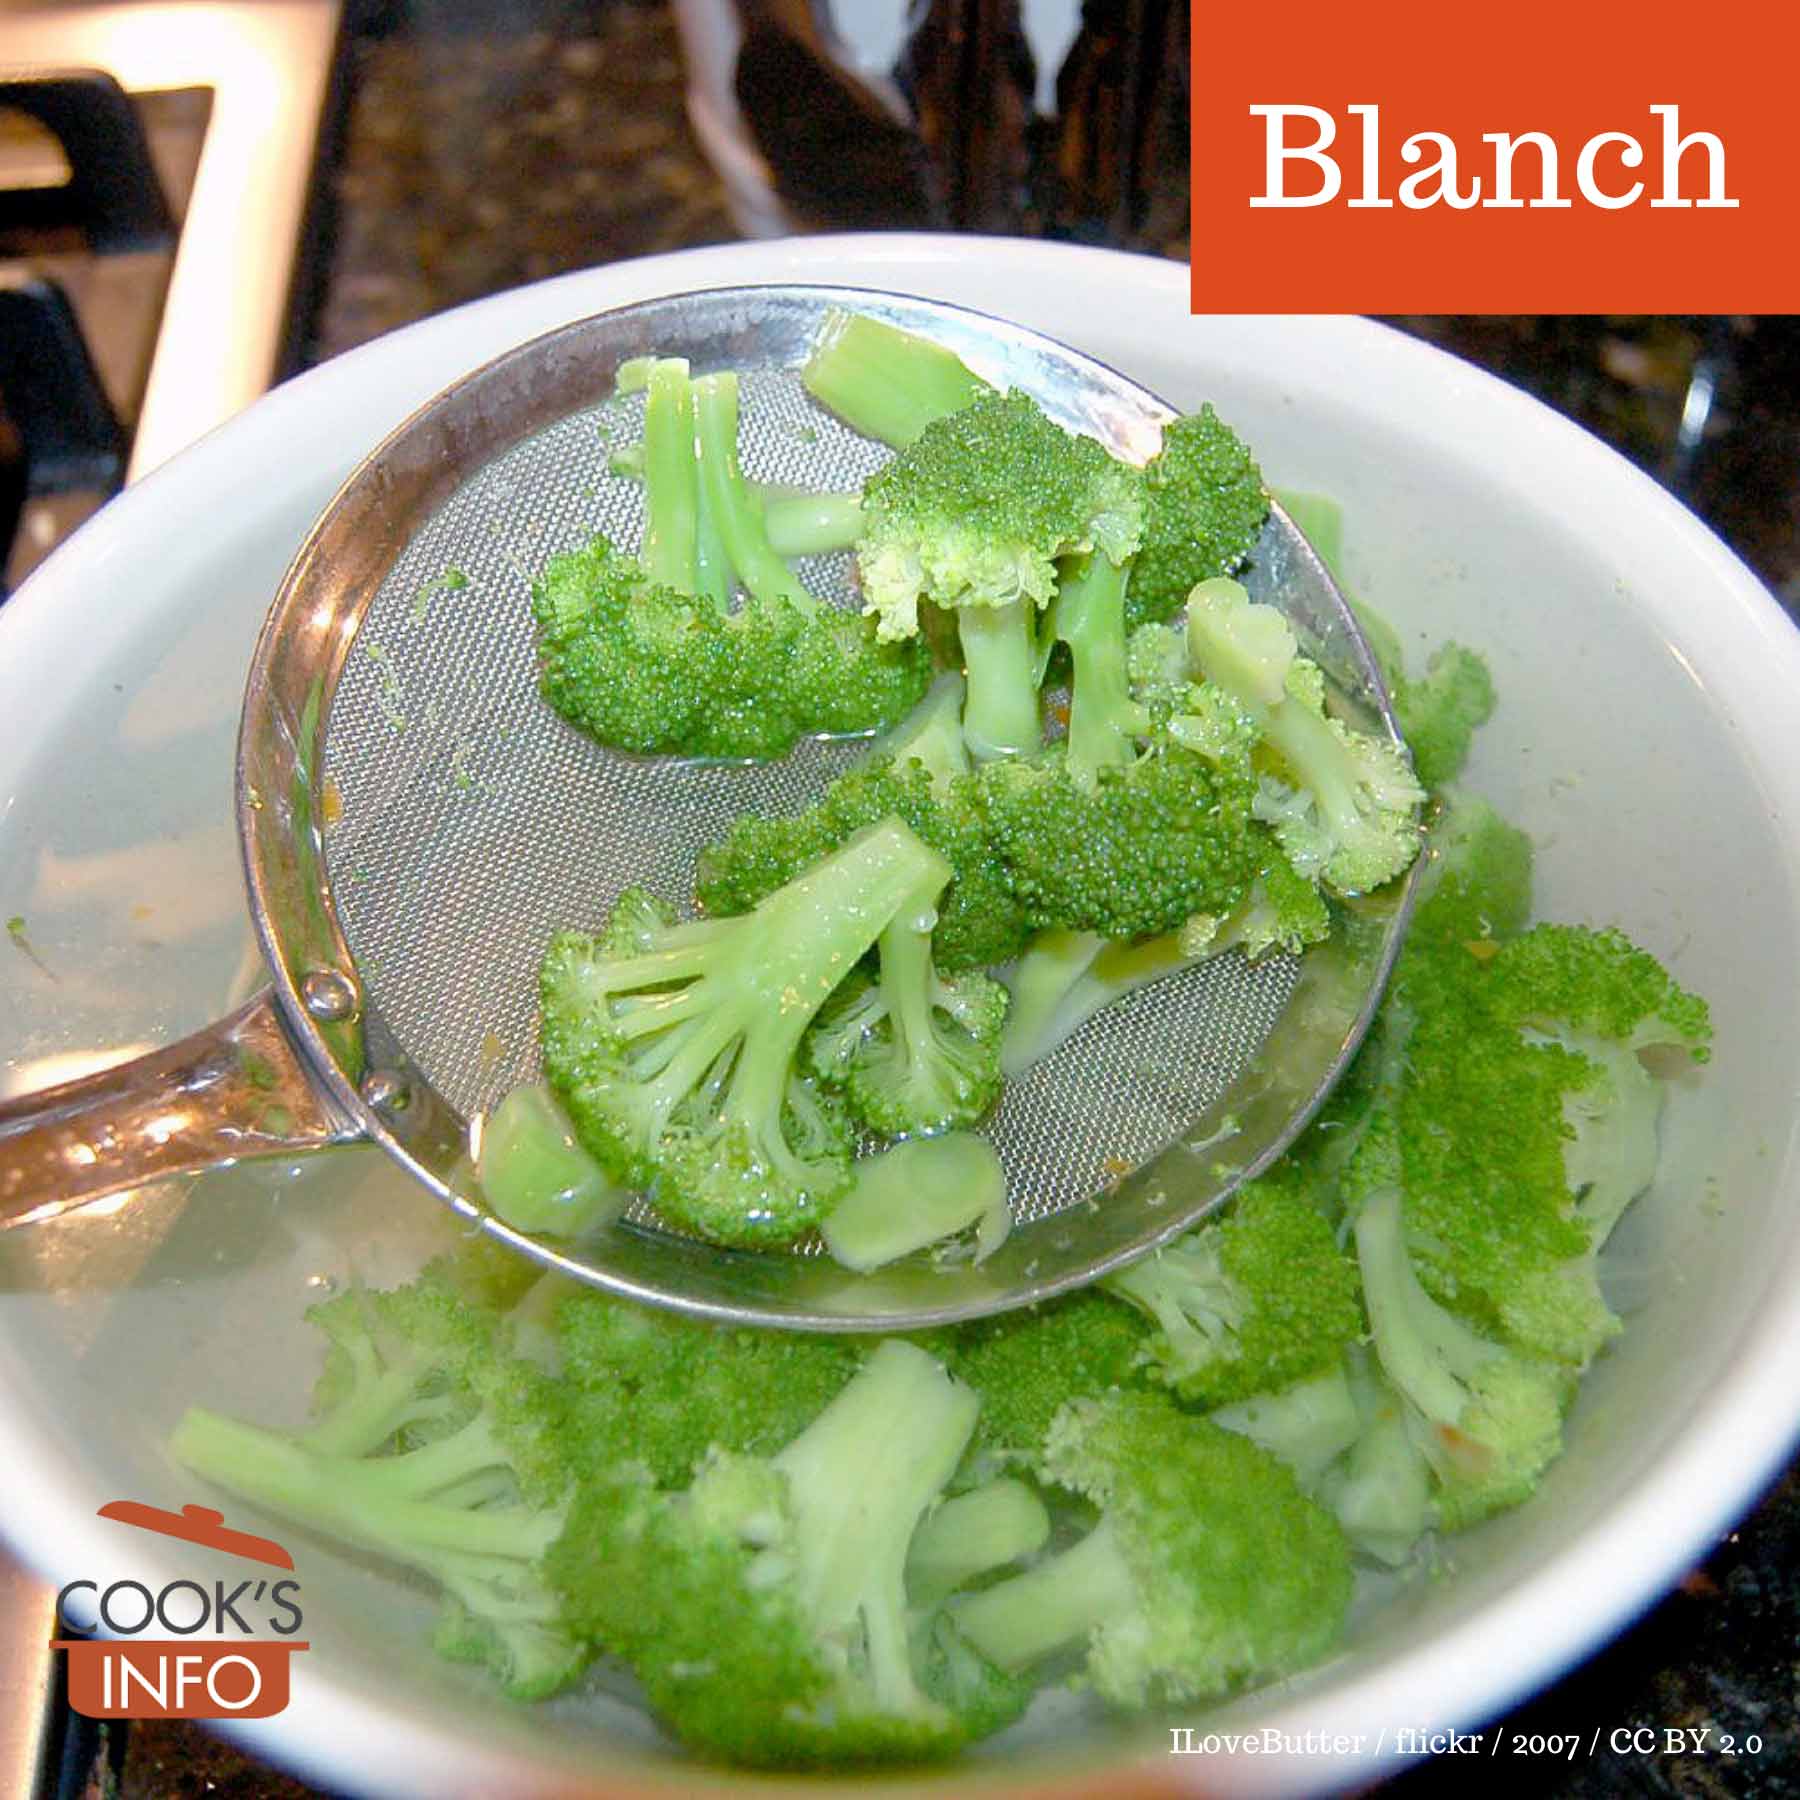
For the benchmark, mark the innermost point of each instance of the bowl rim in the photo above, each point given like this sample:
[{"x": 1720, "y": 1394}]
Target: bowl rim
[{"x": 1715, "y": 1461}]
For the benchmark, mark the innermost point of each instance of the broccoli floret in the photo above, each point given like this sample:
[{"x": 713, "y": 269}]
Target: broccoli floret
[
  {"x": 886, "y": 383},
  {"x": 913, "y": 1050},
  {"x": 639, "y": 666},
  {"x": 1026, "y": 1364},
  {"x": 1487, "y": 1418},
  {"x": 1143, "y": 850},
  {"x": 1204, "y": 507},
  {"x": 1066, "y": 977},
  {"x": 1440, "y": 713},
  {"x": 1526, "y": 1122},
  {"x": 436, "y": 1448},
  {"x": 645, "y": 1385},
  {"x": 1208, "y": 1569},
  {"x": 919, "y": 774},
  {"x": 764, "y": 1607},
  {"x": 973, "y": 517},
  {"x": 972, "y": 1535},
  {"x": 1251, "y": 1301},
  {"x": 1343, "y": 802},
  {"x": 674, "y": 1047}
]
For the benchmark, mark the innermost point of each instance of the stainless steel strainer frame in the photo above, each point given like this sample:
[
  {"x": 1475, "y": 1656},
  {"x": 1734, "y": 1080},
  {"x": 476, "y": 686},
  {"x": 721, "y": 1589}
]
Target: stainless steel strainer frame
[{"x": 310, "y": 1062}]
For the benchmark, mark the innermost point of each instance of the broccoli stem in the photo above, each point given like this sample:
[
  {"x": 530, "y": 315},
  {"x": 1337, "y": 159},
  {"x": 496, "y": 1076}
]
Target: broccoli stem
[
  {"x": 729, "y": 502},
  {"x": 1055, "y": 1606},
  {"x": 712, "y": 567},
  {"x": 534, "y": 1175},
  {"x": 971, "y": 1535},
  {"x": 1307, "y": 1426},
  {"x": 999, "y": 646},
  {"x": 884, "y": 382},
  {"x": 671, "y": 477},
  {"x": 807, "y": 524},
  {"x": 1426, "y": 1352},
  {"x": 1089, "y": 616},
  {"x": 393, "y": 1505},
  {"x": 1065, "y": 977},
  {"x": 860, "y": 1479},
  {"x": 921, "y": 1191},
  {"x": 931, "y": 734}
]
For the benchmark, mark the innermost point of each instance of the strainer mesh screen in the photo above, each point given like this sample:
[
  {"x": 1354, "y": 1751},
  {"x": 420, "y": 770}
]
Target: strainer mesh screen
[{"x": 467, "y": 822}]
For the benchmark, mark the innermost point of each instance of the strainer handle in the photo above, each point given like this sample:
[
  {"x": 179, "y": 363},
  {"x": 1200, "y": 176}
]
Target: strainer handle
[{"x": 237, "y": 1089}]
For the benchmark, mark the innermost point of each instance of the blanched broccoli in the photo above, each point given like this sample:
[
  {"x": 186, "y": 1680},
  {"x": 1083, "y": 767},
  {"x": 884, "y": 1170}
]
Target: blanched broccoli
[
  {"x": 1208, "y": 1569},
  {"x": 1252, "y": 1300},
  {"x": 947, "y": 1193},
  {"x": 438, "y": 1448},
  {"x": 886, "y": 383},
  {"x": 1488, "y": 1418},
  {"x": 912, "y": 1050},
  {"x": 1066, "y": 977},
  {"x": 1528, "y": 1123},
  {"x": 1141, "y": 851},
  {"x": 918, "y": 773},
  {"x": 647, "y": 1386},
  {"x": 1088, "y": 615},
  {"x": 674, "y": 1048},
  {"x": 764, "y": 1606},
  {"x": 640, "y": 666},
  {"x": 1205, "y": 504},
  {"x": 1343, "y": 802},
  {"x": 1027, "y": 1365},
  {"x": 973, "y": 517}
]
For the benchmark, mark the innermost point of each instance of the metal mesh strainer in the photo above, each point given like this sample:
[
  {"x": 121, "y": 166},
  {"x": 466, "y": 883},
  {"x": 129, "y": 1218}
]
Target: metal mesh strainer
[{"x": 416, "y": 823}]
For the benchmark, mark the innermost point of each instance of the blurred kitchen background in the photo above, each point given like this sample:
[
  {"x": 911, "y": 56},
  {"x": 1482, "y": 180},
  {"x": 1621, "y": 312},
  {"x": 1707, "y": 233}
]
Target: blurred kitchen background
[{"x": 214, "y": 195}]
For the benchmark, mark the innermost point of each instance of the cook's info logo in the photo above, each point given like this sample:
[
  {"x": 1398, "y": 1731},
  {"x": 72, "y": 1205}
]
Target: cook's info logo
[{"x": 153, "y": 1662}]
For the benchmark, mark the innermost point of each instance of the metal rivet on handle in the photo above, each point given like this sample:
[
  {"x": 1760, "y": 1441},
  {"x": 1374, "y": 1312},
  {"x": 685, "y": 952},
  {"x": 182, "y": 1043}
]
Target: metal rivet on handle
[
  {"x": 328, "y": 996},
  {"x": 384, "y": 1091}
]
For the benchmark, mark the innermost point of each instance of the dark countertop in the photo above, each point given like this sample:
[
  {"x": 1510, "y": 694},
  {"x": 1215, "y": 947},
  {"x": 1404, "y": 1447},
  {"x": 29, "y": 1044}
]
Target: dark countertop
[{"x": 476, "y": 153}]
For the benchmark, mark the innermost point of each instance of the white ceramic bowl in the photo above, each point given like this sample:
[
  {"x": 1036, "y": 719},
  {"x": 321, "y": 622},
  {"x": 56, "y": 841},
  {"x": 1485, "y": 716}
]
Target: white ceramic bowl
[{"x": 1648, "y": 736}]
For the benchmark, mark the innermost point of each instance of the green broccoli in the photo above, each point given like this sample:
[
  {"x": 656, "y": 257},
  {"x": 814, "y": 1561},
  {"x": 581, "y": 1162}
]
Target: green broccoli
[
  {"x": 1208, "y": 1569},
  {"x": 1307, "y": 1425},
  {"x": 764, "y": 1606},
  {"x": 925, "y": 1193},
  {"x": 435, "y": 1447},
  {"x": 1144, "y": 849},
  {"x": 973, "y": 517},
  {"x": 886, "y": 383},
  {"x": 1382, "y": 1491},
  {"x": 1488, "y": 1418},
  {"x": 1343, "y": 803},
  {"x": 918, "y": 773},
  {"x": 640, "y": 666},
  {"x": 674, "y": 1048},
  {"x": 1065, "y": 977},
  {"x": 1027, "y": 1364},
  {"x": 649, "y": 1386},
  {"x": 1088, "y": 614},
  {"x": 1251, "y": 1301},
  {"x": 912, "y": 1050},
  {"x": 1204, "y": 508}
]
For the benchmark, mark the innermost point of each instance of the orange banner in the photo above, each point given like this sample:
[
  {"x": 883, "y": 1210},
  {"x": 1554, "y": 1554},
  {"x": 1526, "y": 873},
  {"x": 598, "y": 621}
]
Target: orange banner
[
  {"x": 1531, "y": 158},
  {"x": 177, "y": 1678}
]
